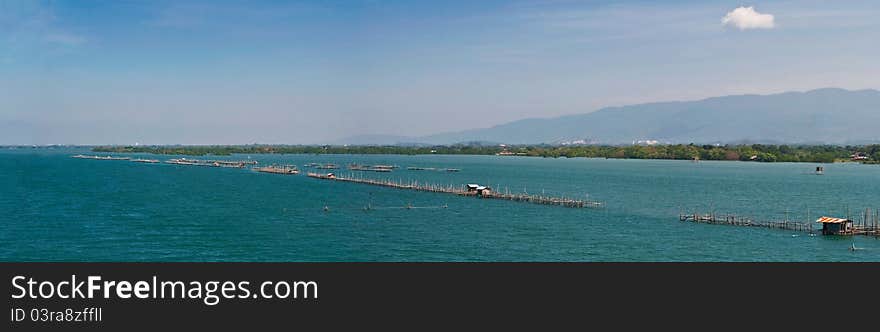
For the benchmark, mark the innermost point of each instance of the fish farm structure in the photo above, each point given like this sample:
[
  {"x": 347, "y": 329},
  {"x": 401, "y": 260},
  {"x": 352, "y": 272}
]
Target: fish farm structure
[
  {"x": 866, "y": 225},
  {"x": 467, "y": 190}
]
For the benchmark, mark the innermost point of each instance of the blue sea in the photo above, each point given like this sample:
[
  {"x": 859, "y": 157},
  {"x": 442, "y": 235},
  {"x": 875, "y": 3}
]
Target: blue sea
[{"x": 57, "y": 208}]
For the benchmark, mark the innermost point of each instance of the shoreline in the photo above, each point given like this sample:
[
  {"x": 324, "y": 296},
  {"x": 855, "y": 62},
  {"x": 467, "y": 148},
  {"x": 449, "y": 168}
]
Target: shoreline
[{"x": 815, "y": 154}]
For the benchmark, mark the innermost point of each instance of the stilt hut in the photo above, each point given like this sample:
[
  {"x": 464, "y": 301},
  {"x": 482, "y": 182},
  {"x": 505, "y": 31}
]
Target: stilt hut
[
  {"x": 835, "y": 226},
  {"x": 475, "y": 189}
]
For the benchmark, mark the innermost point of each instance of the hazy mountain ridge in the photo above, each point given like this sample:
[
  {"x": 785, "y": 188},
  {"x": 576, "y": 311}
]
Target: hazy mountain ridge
[{"x": 830, "y": 115}]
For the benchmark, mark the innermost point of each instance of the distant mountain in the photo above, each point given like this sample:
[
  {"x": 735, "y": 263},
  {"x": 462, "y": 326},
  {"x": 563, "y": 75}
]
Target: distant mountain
[{"x": 832, "y": 116}]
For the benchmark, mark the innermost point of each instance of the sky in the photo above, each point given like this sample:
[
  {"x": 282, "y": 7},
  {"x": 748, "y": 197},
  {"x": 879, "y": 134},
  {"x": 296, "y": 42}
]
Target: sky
[{"x": 307, "y": 72}]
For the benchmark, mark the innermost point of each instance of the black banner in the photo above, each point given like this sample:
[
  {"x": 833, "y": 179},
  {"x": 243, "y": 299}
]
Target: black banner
[{"x": 43, "y": 296}]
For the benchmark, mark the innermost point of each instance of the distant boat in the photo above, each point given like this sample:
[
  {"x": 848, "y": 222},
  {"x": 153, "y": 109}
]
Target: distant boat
[{"x": 820, "y": 170}]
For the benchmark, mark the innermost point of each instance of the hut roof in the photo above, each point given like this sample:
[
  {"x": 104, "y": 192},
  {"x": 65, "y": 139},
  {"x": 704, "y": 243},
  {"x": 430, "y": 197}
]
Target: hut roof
[{"x": 831, "y": 220}]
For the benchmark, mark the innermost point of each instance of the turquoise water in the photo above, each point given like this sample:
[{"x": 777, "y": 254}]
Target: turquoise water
[{"x": 57, "y": 208}]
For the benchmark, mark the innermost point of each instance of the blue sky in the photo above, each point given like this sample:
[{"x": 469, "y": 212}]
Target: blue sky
[{"x": 234, "y": 72}]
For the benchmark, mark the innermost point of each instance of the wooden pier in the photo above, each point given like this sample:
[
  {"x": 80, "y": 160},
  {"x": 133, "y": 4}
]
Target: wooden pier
[
  {"x": 868, "y": 225},
  {"x": 212, "y": 163},
  {"x": 286, "y": 169},
  {"x": 433, "y": 169},
  {"x": 733, "y": 220},
  {"x": 147, "y": 161},
  {"x": 370, "y": 168},
  {"x": 96, "y": 157},
  {"x": 465, "y": 191}
]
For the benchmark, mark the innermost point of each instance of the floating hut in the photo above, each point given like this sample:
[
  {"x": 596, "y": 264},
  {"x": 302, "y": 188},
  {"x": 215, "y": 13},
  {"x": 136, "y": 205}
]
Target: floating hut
[{"x": 835, "y": 226}]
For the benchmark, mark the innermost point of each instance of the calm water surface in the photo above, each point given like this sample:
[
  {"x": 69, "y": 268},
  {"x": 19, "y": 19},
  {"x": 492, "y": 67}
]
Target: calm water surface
[{"x": 57, "y": 208}]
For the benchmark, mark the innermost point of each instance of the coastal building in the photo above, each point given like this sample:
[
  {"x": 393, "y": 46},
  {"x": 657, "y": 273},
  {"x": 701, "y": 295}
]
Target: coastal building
[
  {"x": 859, "y": 156},
  {"x": 507, "y": 152},
  {"x": 835, "y": 226}
]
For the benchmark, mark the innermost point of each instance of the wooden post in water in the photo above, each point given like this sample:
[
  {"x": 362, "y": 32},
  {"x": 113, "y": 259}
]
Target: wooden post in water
[
  {"x": 785, "y": 221},
  {"x": 810, "y": 222},
  {"x": 874, "y": 222}
]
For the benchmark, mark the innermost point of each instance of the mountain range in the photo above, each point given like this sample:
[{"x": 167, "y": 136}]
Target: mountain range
[{"x": 822, "y": 116}]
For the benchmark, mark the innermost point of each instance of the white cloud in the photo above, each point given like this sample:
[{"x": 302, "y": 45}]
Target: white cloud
[{"x": 747, "y": 18}]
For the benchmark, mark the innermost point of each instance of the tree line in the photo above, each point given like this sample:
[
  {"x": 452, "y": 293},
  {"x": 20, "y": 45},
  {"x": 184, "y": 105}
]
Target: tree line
[{"x": 750, "y": 152}]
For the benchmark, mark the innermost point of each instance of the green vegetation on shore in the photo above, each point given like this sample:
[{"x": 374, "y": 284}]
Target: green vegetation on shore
[
  {"x": 223, "y": 150},
  {"x": 753, "y": 152}
]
